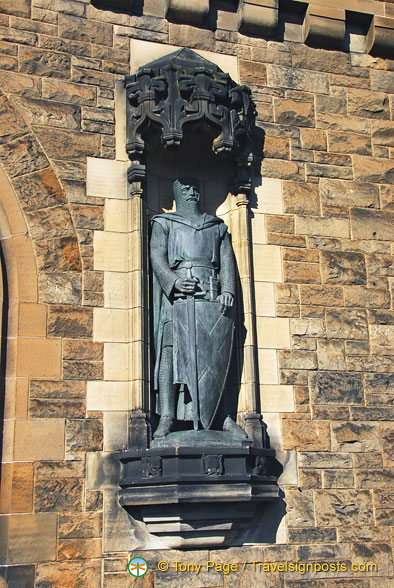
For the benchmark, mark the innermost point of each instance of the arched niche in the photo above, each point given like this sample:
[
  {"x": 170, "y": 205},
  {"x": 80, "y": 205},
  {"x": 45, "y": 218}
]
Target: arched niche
[{"x": 187, "y": 117}]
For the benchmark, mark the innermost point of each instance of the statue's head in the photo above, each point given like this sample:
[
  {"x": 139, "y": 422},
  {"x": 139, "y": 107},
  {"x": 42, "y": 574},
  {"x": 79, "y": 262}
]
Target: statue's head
[{"x": 186, "y": 190}]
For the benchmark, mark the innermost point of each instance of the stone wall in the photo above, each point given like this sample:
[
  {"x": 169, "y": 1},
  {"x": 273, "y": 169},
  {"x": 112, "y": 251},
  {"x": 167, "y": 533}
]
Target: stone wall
[{"x": 322, "y": 217}]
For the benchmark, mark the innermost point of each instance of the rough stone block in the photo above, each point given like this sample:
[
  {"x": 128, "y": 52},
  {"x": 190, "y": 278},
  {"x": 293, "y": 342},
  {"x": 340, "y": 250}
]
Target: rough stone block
[
  {"x": 300, "y": 507},
  {"x": 373, "y": 169},
  {"x": 321, "y": 295},
  {"x": 44, "y": 63},
  {"x": 349, "y": 143},
  {"x": 294, "y": 112},
  {"x": 346, "y": 324},
  {"x": 306, "y": 435},
  {"x": 69, "y": 321},
  {"x": 61, "y": 495},
  {"x": 301, "y": 198},
  {"x": 79, "y": 573},
  {"x": 285, "y": 77},
  {"x": 382, "y": 80},
  {"x": 313, "y": 139},
  {"x": 367, "y": 297},
  {"x": 343, "y": 268},
  {"x": 193, "y": 37},
  {"x": 23, "y": 155},
  {"x": 67, "y": 92},
  {"x": 370, "y": 224},
  {"x": 302, "y": 273},
  {"x": 368, "y": 104},
  {"x": 347, "y": 193},
  {"x": 83, "y": 435},
  {"x": 79, "y": 145},
  {"x": 331, "y": 355},
  {"x": 381, "y": 339},
  {"x": 342, "y": 507},
  {"x": 71, "y": 27},
  {"x": 336, "y": 388},
  {"x": 252, "y": 72},
  {"x": 355, "y": 437}
]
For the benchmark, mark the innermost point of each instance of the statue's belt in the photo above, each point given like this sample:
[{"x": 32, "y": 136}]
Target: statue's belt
[{"x": 196, "y": 263}]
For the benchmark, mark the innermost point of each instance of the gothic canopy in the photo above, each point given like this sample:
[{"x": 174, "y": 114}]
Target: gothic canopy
[{"x": 183, "y": 88}]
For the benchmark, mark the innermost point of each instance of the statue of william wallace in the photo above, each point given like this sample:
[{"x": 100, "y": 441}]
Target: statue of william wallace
[{"x": 194, "y": 291}]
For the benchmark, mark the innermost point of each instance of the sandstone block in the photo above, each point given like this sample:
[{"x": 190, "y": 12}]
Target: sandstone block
[
  {"x": 78, "y": 548},
  {"x": 305, "y": 435},
  {"x": 22, "y": 488},
  {"x": 44, "y": 63},
  {"x": 343, "y": 268},
  {"x": 367, "y": 297},
  {"x": 381, "y": 478},
  {"x": 346, "y": 324},
  {"x": 301, "y": 198},
  {"x": 68, "y": 92},
  {"x": 382, "y": 80},
  {"x": 107, "y": 396},
  {"x": 369, "y": 224},
  {"x": 80, "y": 574},
  {"x": 56, "y": 408},
  {"x": 325, "y": 460},
  {"x": 50, "y": 223},
  {"x": 325, "y": 227},
  {"x": 355, "y": 437},
  {"x": 387, "y": 437},
  {"x": 69, "y": 321},
  {"x": 383, "y": 133},
  {"x": 373, "y": 169},
  {"x": 329, "y": 171},
  {"x": 61, "y": 495},
  {"x": 82, "y": 75},
  {"x": 338, "y": 507},
  {"x": 381, "y": 339},
  {"x": 252, "y": 72},
  {"x": 349, "y": 143},
  {"x": 23, "y": 155},
  {"x": 71, "y": 27},
  {"x": 31, "y": 439},
  {"x": 321, "y": 295},
  {"x": 276, "y": 147},
  {"x": 339, "y": 122},
  {"x": 303, "y": 360},
  {"x": 275, "y": 333},
  {"x": 331, "y": 355},
  {"x": 46, "y": 470},
  {"x": 277, "y": 168},
  {"x": 302, "y": 273},
  {"x": 368, "y": 104},
  {"x": 57, "y": 389},
  {"x": 32, "y": 538},
  {"x": 87, "y": 525},
  {"x": 312, "y": 535},
  {"x": 286, "y": 77},
  {"x": 348, "y": 193},
  {"x": 313, "y": 139},
  {"x": 79, "y": 145},
  {"x": 40, "y": 190},
  {"x": 336, "y": 387},
  {"x": 189, "y": 36},
  {"x": 294, "y": 112},
  {"x": 38, "y": 357},
  {"x": 307, "y": 327},
  {"x": 300, "y": 509},
  {"x": 12, "y": 125}
]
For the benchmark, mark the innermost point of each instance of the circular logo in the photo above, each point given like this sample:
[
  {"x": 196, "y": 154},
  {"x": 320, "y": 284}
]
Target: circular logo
[{"x": 137, "y": 567}]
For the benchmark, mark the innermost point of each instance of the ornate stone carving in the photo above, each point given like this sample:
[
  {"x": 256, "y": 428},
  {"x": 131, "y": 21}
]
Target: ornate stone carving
[
  {"x": 151, "y": 467},
  {"x": 212, "y": 465},
  {"x": 183, "y": 88}
]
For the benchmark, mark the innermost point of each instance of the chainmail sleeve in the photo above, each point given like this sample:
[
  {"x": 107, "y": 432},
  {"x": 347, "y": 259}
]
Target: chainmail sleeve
[
  {"x": 159, "y": 258},
  {"x": 227, "y": 266}
]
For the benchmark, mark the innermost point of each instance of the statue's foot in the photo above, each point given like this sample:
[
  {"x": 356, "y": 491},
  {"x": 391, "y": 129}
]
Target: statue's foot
[
  {"x": 164, "y": 427},
  {"x": 231, "y": 427}
]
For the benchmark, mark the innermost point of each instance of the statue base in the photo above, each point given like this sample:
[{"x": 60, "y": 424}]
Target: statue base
[{"x": 201, "y": 494}]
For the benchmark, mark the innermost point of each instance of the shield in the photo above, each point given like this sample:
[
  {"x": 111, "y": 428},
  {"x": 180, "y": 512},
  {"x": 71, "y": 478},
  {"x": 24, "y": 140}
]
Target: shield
[{"x": 202, "y": 352}]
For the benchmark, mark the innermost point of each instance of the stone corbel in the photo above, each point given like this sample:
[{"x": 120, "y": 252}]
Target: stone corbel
[
  {"x": 380, "y": 38},
  {"x": 258, "y": 17},
  {"x": 325, "y": 26},
  {"x": 188, "y": 11}
]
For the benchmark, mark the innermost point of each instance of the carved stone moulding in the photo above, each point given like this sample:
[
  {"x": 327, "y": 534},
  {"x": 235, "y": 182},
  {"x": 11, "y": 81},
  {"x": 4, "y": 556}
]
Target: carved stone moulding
[
  {"x": 194, "y": 497},
  {"x": 183, "y": 89}
]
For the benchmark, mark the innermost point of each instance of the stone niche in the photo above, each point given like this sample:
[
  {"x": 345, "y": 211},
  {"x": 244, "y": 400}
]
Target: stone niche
[{"x": 186, "y": 117}]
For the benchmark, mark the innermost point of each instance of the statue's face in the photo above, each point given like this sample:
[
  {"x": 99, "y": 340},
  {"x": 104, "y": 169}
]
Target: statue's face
[{"x": 186, "y": 190}]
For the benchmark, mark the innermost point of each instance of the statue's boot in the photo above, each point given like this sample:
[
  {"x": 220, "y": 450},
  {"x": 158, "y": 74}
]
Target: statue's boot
[{"x": 164, "y": 427}]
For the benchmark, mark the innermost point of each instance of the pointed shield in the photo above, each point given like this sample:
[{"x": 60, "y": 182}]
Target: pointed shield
[{"x": 213, "y": 332}]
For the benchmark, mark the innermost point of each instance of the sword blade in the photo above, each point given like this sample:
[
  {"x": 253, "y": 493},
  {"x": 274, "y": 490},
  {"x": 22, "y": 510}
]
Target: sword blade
[{"x": 192, "y": 376}]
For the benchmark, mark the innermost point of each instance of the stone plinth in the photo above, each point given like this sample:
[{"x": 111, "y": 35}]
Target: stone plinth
[{"x": 193, "y": 496}]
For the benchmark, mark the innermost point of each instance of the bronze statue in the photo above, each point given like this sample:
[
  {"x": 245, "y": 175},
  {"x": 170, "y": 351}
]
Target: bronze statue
[{"x": 193, "y": 290}]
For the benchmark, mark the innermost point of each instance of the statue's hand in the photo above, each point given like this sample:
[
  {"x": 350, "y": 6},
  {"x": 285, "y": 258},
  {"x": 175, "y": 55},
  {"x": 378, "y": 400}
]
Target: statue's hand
[
  {"x": 226, "y": 300},
  {"x": 186, "y": 285}
]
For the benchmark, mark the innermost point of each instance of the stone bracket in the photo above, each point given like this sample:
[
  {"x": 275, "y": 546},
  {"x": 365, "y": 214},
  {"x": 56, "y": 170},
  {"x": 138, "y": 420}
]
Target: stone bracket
[
  {"x": 325, "y": 26},
  {"x": 188, "y": 11},
  {"x": 380, "y": 38},
  {"x": 258, "y": 17}
]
